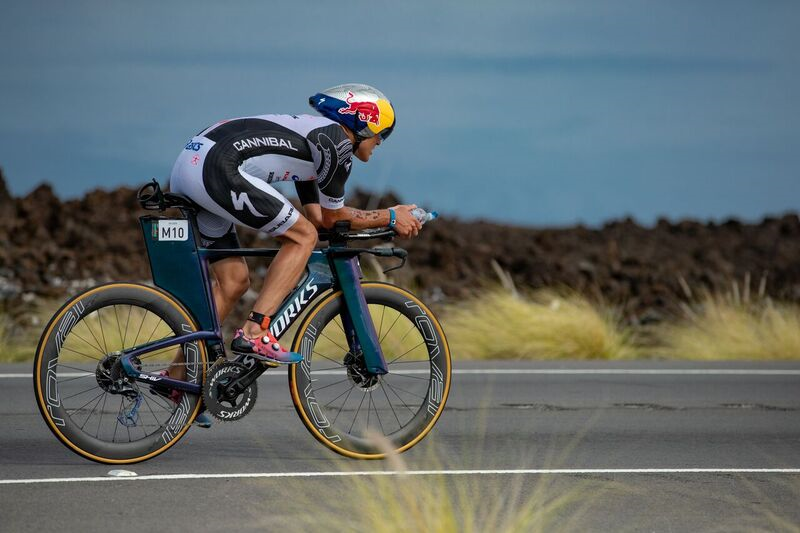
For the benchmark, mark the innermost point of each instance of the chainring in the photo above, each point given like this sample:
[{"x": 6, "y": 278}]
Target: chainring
[{"x": 219, "y": 401}]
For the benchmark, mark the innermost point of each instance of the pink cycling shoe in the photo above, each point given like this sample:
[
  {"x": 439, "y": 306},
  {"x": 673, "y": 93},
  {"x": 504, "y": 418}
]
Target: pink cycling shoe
[{"x": 264, "y": 348}]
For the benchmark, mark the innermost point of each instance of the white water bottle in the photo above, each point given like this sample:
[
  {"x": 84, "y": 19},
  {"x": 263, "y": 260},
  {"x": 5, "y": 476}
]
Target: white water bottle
[{"x": 422, "y": 215}]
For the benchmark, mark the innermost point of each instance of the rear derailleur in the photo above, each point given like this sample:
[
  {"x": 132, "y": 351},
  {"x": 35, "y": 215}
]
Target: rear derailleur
[{"x": 112, "y": 378}]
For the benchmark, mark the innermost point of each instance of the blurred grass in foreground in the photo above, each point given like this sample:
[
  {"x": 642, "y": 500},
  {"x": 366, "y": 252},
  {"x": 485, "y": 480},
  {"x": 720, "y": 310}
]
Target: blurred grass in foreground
[
  {"x": 399, "y": 501},
  {"x": 543, "y": 325},
  {"x": 442, "y": 504}
]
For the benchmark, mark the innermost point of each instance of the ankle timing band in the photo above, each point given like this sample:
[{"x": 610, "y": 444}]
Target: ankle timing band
[{"x": 258, "y": 318}]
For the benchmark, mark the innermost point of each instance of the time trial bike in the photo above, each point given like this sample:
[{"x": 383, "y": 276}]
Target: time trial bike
[{"x": 123, "y": 369}]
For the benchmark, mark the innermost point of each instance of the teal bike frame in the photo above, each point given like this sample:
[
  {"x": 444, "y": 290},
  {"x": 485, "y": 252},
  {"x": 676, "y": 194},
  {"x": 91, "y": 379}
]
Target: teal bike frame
[{"x": 180, "y": 267}]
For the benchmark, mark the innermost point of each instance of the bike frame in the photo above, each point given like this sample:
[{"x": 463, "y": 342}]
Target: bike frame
[{"x": 179, "y": 267}]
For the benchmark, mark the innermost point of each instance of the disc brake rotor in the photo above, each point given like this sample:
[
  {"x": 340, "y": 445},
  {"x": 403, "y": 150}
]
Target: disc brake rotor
[
  {"x": 221, "y": 396},
  {"x": 358, "y": 373}
]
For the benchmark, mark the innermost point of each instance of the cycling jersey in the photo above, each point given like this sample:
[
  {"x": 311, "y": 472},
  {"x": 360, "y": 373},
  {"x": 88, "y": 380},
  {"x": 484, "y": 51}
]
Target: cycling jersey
[{"x": 227, "y": 169}]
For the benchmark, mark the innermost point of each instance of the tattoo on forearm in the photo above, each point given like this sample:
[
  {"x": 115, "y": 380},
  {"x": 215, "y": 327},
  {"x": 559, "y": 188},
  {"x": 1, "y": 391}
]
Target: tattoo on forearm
[
  {"x": 359, "y": 214},
  {"x": 361, "y": 219}
]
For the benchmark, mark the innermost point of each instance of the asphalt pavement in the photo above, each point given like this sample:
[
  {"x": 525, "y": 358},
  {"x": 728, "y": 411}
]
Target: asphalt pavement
[{"x": 639, "y": 446}]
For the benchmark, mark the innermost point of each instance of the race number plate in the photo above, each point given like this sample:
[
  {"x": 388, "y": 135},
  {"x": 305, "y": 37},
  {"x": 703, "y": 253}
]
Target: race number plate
[{"x": 173, "y": 230}]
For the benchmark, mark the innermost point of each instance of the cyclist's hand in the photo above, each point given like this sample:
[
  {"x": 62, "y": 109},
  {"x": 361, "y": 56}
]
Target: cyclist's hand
[{"x": 406, "y": 224}]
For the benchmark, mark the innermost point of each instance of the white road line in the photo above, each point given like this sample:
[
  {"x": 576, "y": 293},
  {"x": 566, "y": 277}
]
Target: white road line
[
  {"x": 637, "y": 371},
  {"x": 531, "y": 471},
  {"x": 544, "y": 371}
]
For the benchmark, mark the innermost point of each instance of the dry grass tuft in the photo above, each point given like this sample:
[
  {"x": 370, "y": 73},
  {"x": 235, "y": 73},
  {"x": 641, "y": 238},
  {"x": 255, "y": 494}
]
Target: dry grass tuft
[
  {"x": 5, "y": 333},
  {"x": 722, "y": 327},
  {"x": 543, "y": 325},
  {"x": 17, "y": 341}
]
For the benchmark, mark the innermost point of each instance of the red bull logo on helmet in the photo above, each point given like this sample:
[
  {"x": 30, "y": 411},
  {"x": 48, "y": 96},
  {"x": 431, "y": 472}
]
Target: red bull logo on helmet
[{"x": 367, "y": 111}]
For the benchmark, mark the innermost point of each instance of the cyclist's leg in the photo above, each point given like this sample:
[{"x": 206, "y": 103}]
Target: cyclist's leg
[
  {"x": 265, "y": 209},
  {"x": 269, "y": 211},
  {"x": 231, "y": 281},
  {"x": 284, "y": 271},
  {"x": 230, "y": 277},
  {"x": 234, "y": 195},
  {"x": 255, "y": 338}
]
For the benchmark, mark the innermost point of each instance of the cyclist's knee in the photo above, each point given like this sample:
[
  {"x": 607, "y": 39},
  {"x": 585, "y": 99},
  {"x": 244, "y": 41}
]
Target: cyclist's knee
[{"x": 302, "y": 233}]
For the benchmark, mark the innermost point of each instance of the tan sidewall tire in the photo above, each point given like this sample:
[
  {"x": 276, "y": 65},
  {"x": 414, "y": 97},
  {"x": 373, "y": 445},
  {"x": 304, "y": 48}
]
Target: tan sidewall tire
[
  {"x": 60, "y": 323},
  {"x": 295, "y": 377}
]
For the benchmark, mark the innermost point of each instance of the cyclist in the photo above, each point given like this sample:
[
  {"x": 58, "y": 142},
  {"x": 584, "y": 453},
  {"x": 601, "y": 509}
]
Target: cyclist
[{"x": 227, "y": 169}]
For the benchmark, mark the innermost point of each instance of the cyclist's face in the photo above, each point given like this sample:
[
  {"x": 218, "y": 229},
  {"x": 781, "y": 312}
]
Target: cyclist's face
[{"x": 366, "y": 147}]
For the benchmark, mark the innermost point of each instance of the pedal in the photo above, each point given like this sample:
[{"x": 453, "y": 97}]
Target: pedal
[{"x": 250, "y": 359}]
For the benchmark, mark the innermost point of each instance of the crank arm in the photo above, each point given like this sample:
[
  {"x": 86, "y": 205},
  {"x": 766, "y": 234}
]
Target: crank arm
[{"x": 241, "y": 383}]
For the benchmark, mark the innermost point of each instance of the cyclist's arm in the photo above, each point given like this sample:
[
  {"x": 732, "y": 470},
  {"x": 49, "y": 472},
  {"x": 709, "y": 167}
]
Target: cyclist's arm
[
  {"x": 405, "y": 223},
  {"x": 314, "y": 214},
  {"x": 308, "y": 193},
  {"x": 333, "y": 156},
  {"x": 359, "y": 218}
]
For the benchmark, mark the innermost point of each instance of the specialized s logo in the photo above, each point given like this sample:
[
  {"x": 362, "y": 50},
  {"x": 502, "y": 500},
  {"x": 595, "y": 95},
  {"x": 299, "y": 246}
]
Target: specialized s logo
[
  {"x": 195, "y": 147},
  {"x": 242, "y": 200}
]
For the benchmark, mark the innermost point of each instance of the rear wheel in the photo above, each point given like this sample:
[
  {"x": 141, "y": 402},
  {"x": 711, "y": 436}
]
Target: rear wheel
[
  {"x": 83, "y": 394},
  {"x": 358, "y": 414}
]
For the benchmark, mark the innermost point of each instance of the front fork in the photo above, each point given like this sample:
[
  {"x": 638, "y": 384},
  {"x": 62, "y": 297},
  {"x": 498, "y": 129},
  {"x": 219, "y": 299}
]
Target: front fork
[{"x": 356, "y": 318}]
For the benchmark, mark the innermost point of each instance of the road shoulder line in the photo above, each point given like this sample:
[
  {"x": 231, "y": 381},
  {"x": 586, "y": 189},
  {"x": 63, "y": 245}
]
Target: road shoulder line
[
  {"x": 531, "y": 471},
  {"x": 549, "y": 371}
]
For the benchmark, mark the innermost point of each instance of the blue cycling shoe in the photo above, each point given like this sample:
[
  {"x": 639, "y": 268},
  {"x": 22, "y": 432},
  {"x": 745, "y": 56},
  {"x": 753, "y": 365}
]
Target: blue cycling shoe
[{"x": 203, "y": 420}]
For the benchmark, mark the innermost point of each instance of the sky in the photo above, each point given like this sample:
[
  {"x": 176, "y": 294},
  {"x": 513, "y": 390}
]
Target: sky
[{"x": 530, "y": 112}]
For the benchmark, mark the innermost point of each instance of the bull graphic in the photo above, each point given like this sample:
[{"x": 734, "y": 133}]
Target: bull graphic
[{"x": 367, "y": 111}]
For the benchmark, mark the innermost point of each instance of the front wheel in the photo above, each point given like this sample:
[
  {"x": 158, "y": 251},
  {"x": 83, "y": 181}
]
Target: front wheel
[{"x": 358, "y": 414}]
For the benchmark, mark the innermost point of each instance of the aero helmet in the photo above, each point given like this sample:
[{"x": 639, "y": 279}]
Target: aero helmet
[{"x": 363, "y": 109}]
